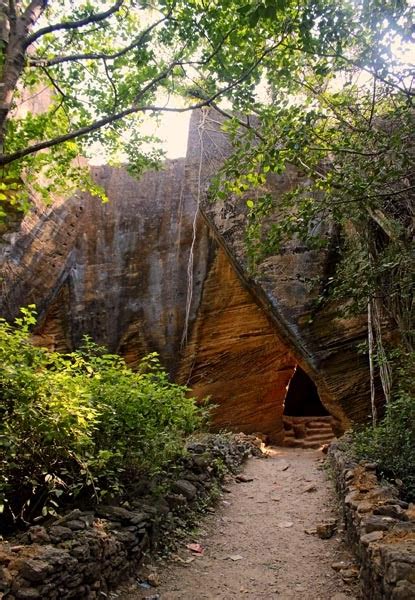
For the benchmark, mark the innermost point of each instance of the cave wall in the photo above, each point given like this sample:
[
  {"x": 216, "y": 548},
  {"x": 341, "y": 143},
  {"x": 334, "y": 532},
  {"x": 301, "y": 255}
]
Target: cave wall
[
  {"x": 323, "y": 341},
  {"x": 119, "y": 272},
  {"x": 236, "y": 357},
  {"x": 116, "y": 271}
]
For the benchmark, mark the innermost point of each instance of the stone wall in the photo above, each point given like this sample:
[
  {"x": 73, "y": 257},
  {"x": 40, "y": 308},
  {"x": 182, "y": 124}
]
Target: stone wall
[
  {"x": 84, "y": 554},
  {"x": 380, "y": 528}
]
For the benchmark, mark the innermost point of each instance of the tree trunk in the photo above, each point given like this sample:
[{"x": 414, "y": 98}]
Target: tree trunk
[{"x": 16, "y": 28}]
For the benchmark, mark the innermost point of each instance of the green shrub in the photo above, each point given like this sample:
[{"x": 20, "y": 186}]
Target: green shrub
[
  {"x": 80, "y": 425},
  {"x": 391, "y": 444}
]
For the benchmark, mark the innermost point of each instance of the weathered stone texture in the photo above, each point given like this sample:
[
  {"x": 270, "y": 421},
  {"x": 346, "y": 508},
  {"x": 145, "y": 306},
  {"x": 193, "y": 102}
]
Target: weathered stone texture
[
  {"x": 380, "y": 527},
  {"x": 236, "y": 357},
  {"x": 145, "y": 273},
  {"x": 115, "y": 271},
  {"x": 119, "y": 273},
  {"x": 84, "y": 554},
  {"x": 321, "y": 339}
]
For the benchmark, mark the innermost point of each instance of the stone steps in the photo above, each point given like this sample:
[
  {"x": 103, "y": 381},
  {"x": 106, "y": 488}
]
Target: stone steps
[
  {"x": 308, "y": 432},
  {"x": 326, "y": 437},
  {"x": 321, "y": 430},
  {"x": 304, "y": 443},
  {"x": 319, "y": 425},
  {"x": 320, "y": 419}
]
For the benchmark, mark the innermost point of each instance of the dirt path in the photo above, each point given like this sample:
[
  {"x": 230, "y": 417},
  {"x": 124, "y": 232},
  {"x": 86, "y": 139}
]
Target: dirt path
[{"x": 256, "y": 545}]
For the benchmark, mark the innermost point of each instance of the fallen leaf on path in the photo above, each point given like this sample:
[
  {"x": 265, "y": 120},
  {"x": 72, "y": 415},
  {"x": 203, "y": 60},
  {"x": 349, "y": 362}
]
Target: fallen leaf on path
[
  {"x": 196, "y": 548},
  {"x": 349, "y": 574},
  {"x": 310, "y": 531},
  {"x": 338, "y": 566},
  {"x": 177, "y": 558},
  {"x": 243, "y": 479},
  {"x": 283, "y": 465},
  {"x": 285, "y": 524},
  {"x": 153, "y": 579},
  {"x": 276, "y": 499},
  {"x": 326, "y": 529},
  {"x": 310, "y": 488},
  {"x": 235, "y": 557}
]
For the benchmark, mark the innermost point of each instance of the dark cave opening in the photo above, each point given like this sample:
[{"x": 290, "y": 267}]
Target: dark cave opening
[{"x": 302, "y": 399}]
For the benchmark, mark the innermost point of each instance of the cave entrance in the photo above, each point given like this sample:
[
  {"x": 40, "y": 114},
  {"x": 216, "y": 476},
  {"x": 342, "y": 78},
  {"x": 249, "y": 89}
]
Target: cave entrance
[
  {"x": 307, "y": 423},
  {"x": 302, "y": 399}
]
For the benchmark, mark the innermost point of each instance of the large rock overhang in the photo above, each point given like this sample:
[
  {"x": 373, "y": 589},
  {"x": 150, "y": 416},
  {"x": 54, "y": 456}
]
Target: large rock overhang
[
  {"x": 158, "y": 268},
  {"x": 323, "y": 341}
]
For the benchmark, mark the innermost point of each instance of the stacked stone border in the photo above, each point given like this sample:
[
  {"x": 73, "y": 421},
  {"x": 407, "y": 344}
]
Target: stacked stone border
[
  {"x": 379, "y": 526},
  {"x": 84, "y": 554}
]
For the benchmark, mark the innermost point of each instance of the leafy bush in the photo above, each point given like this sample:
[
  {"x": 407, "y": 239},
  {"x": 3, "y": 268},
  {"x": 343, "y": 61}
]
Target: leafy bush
[
  {"x": 80, "y": 425},
  {"x": 391, "y": 444}
]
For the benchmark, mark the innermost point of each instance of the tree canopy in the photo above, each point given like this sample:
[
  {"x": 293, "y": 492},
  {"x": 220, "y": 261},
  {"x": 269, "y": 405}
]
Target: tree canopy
[{"x": 107, "y": 64}]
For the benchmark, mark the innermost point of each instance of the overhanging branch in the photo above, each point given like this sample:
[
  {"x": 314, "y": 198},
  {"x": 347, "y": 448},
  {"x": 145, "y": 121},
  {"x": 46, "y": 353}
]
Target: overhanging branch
[
  {"x": 135, "y": 108},
  {"x": 67, "y": 26},
  {"x": 97, "y": 55}
]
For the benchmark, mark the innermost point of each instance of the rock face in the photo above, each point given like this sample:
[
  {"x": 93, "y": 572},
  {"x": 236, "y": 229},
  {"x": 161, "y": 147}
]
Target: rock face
[
  {"x": 150, "y": 271},
  {"x": 114, "y": 271},
  {"x": 236, "y": 356},
  {"x": 323, "y": 342}
]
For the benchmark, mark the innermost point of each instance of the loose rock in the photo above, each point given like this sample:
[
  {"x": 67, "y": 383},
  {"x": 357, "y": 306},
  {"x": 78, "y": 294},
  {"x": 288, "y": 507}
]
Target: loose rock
[{"x": 326, "y": 529}]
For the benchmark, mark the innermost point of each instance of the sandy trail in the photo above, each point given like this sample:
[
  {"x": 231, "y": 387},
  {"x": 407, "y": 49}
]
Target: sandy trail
[{"x": 256, "y": 545}]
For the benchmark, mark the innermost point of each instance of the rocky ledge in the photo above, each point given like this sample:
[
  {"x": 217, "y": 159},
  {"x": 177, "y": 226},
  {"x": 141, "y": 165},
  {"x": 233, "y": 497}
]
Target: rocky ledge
[
  {"x": 85, "y": 553},
  {"x": 380, "y": 528}
]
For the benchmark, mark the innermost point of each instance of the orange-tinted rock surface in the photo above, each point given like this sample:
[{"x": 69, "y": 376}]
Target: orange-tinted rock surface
[
  {"x": 324, "y": 343},
  {"x": 236, "y": 357},
  {"x": 115, "y": 271},
  {"x": 142, "y": 274}
]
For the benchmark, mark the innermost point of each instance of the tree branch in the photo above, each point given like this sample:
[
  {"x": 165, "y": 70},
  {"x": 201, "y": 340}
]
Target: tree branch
[
  {"x": 12, "y": 10},
  {"x": 349, "y": 151},
  {"x": 245, "y": 124},
  {"x": 372, "y": 106},
  {"x": 97, "y": 55},
  {"x": 135, "y": 108},
  {"x": 407, "y": 92},
  {"x": 54, "y": 83},
  {"x": 94, "y": 18},
  {"x": 114, "y": 89}
]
